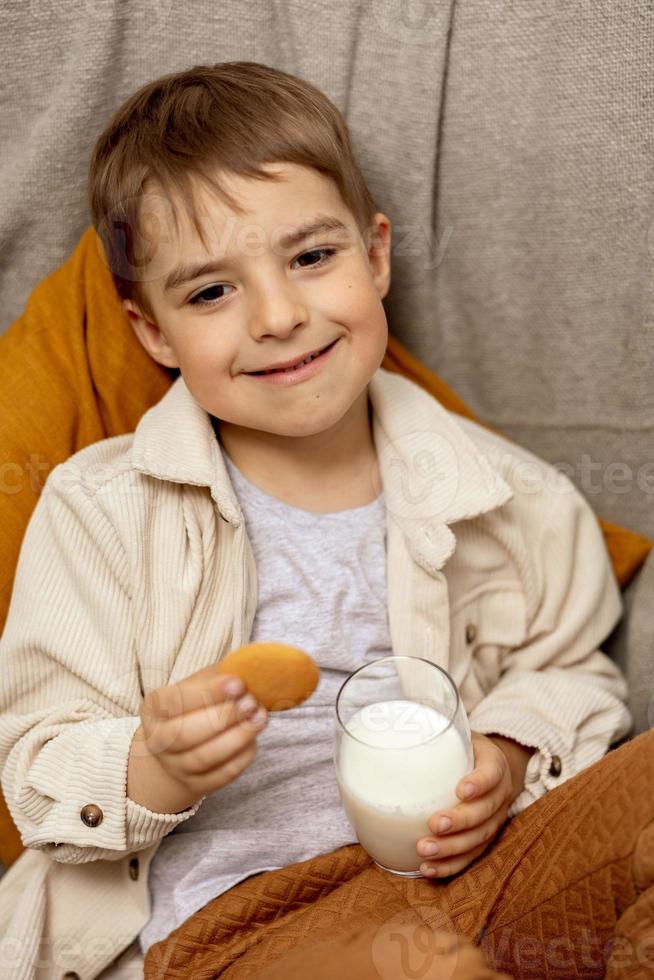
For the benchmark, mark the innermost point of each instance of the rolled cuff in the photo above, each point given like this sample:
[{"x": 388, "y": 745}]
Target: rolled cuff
[
  {"x": 76, "y": 794},
  {"x": 560, "y": 753}
]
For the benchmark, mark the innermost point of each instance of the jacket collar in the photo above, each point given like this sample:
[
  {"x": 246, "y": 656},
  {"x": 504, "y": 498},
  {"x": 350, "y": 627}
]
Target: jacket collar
[{"x": 432, "y": 473}]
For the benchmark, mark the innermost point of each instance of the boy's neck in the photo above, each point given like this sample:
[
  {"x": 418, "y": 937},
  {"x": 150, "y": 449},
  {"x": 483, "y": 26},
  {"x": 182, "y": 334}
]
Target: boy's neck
[{"x": 332, "y": 471}]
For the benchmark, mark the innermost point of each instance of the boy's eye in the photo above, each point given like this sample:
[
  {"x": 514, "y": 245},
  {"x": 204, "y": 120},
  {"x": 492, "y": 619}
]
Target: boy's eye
[
  {"x": 200, "y": 299},
  {"x": 324, "y": 253},
  {"x": 204, "y": 298}
]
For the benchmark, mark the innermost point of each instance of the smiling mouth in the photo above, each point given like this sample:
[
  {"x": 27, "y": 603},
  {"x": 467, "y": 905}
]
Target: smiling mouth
[{"x": 295, "y": 367}]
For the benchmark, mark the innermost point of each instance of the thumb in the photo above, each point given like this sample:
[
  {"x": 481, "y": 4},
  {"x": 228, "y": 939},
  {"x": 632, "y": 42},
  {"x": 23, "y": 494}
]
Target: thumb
[{"x": 486, "y": 772}]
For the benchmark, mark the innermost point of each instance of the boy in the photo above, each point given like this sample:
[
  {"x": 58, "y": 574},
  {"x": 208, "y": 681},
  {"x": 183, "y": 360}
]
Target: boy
[{"x": 336, "y": 507}]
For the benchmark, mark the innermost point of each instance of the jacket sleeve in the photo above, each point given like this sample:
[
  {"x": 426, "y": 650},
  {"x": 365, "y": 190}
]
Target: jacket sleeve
[
  {"x": 70, "y": 686},
  {"x": 558, "y": 692}
]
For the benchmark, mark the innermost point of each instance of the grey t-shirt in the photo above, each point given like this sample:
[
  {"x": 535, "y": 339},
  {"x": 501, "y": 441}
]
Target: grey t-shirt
[{"x": 321, "y": 587}]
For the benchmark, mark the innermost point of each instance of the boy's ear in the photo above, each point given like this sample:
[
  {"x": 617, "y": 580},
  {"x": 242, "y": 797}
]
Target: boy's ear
[
  {"x": 379, "y": 252},
  {"x": 150, "y": 336}
]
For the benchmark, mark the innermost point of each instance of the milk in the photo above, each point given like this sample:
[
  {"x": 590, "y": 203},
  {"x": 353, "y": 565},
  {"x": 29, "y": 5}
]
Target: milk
[{"x": 407, "y": 771}]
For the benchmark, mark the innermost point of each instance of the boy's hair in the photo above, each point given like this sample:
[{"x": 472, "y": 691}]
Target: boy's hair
[{"x": 231, "y": 117}]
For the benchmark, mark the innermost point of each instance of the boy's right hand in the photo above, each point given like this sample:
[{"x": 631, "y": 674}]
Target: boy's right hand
[{"x": 200, "y": 732}]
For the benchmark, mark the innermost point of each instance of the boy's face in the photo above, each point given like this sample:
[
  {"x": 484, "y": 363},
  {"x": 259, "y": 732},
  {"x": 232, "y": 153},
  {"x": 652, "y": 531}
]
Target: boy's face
[{"x": 269, "y": 301}]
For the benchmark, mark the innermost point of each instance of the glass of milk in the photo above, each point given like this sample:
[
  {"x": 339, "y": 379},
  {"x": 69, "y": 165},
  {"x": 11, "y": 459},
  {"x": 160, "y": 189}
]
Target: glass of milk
[{"x": 401, "y": 745}]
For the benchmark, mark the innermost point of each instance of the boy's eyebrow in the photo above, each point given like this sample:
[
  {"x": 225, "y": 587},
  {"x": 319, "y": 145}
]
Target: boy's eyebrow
[{"x": 321, "y": 223}]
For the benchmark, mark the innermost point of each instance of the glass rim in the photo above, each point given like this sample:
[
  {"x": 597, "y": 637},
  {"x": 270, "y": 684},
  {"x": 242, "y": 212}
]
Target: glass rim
[{"x": 399, "y": 656}]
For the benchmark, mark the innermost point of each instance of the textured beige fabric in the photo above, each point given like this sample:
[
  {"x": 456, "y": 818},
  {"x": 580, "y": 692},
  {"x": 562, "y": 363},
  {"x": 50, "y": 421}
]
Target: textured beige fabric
[{"x": 163, "y": 584}]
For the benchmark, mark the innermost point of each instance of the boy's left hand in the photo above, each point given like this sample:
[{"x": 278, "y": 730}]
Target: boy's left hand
[{"x": 475, "y": 822}]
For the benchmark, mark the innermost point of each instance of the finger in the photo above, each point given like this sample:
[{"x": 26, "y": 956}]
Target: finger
[
  {"x": 186, "y": 732},
  {"x": 216, "y": 751},
  {"x": 216, "y": 778},
  {"x": 200, "y": 690},
  {"x": 451, "y": 866},
  {"x": 450, "y": 845},
  {"x": 488, "y": 772},
  {"x": 465, "y": 816}
]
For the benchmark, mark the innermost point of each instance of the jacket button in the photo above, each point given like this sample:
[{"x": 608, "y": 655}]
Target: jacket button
[
  {"x": 555, "y": 766},
  {"x": 91, "y": 815},
  {"x": 71, "y": 976},
  {"x": 471, "y": 633},
  {"x": 134, "y": 869}
]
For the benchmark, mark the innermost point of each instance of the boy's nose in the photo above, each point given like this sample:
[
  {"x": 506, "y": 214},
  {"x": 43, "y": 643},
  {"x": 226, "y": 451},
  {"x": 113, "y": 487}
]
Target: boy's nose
[{"x": 277, "y": 312}]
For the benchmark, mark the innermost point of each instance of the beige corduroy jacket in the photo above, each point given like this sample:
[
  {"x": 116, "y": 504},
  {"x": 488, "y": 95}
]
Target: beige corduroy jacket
[{"x": 136, "y": 571}]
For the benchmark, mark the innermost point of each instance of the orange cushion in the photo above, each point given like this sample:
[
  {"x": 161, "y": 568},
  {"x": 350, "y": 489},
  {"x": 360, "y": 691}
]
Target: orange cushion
[{"x": 72, "y": 372}]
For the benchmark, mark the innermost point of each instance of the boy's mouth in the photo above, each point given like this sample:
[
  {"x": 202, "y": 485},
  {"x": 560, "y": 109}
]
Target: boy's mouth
[{"x": 298, "y": 364}]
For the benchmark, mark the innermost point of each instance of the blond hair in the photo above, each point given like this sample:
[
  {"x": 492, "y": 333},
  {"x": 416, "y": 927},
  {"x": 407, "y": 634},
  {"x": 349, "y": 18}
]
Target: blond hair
[{"x": 231, "y": 117}]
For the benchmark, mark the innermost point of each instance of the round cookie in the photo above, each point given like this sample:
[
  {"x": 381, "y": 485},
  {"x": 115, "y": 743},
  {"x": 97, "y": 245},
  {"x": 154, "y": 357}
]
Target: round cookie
[{"x": 278, "y": 675}]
